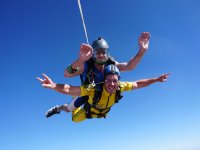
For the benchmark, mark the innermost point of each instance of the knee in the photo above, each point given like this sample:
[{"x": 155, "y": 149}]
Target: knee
[{"x": 70, "y": 107}]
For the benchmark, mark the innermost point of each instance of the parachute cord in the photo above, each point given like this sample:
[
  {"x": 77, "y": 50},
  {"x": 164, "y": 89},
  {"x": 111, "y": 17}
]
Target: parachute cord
[{"x": 80, "y": 9}]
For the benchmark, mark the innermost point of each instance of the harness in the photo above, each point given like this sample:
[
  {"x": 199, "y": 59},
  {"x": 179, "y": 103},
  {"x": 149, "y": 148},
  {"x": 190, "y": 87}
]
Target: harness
[
  {"x": 89, "y": 76},
  {"x": 96, "y": 99}
]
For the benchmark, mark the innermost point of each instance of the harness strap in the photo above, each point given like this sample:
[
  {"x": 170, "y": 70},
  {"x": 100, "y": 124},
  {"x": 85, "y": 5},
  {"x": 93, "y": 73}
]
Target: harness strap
[
  {"x": 87, "y": 108},
  {"x": 89, "y": 75},
  {"x": 97, "y": 94},
  {"x": 101, "y": 115},
  {"x": 118, "y": 95},
  {"x": 96, "y": 98},
  {"x": 89, "y": 113}
]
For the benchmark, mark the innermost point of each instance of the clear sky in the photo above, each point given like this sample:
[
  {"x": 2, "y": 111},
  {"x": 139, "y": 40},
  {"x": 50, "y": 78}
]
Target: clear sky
[{"x": 44, "y": 36}]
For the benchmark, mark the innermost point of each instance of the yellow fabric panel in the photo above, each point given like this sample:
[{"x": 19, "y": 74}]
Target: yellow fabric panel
[
  {"x": 126, "y": 86},
  {"x": 87, "y": 91},
  {"x": 106, "y": 101},
  {"x": 78, "y": 115}
]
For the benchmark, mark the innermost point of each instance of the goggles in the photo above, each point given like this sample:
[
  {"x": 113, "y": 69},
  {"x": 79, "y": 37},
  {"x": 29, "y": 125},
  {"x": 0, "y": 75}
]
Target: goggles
[
  {"x": 115, "y": 81},
  {"x": 100, "y": 51}
]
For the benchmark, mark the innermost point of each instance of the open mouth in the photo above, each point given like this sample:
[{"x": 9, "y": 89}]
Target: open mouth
[{"x": 111, "y": 89}]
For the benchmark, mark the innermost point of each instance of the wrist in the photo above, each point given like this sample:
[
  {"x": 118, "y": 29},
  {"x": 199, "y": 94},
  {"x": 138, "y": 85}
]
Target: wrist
[
  {"x": 80, "y": 61},
  {"x": 141, "y": 52},
  {"x": 53, "y": 86},
  {"x": 144, "y": 49},
  {"x": 156, "y": 79},
  {"x": 71, "y": 70}
]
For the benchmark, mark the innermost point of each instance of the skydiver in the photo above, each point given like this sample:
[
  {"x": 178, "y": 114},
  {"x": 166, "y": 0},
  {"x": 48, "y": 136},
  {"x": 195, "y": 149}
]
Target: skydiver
[{"x": 99, "y": 108}]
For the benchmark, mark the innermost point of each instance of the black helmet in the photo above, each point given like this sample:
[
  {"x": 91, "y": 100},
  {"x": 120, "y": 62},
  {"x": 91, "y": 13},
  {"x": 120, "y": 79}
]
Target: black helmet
[{"x": 100, "y": 43}]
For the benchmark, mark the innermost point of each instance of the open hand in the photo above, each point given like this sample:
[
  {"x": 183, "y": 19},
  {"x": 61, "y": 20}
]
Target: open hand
[
  {"x": 47, "y": 82},
  {"x": 143, "y": 40},
  {"x": 163, "y": 77},
  {"x": 86, "y": 52}
]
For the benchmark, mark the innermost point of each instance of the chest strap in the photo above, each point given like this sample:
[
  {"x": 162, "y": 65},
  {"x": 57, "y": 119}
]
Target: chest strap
[{"x": 96, "y": 99}]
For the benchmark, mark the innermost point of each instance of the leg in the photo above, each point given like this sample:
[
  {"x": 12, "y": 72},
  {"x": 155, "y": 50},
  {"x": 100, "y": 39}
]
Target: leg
[{"x": 76, "y": 102}]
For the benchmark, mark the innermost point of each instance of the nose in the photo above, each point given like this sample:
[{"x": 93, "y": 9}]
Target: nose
[
  {"x": 112, "y": 83},
  {"x": 101, "y": 54}
]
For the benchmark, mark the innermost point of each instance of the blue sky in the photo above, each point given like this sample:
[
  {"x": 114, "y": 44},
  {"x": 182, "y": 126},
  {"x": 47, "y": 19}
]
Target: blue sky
[{"x": 44, "y": 37}]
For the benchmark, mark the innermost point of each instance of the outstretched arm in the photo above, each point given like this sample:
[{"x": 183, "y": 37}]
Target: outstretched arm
[
  {"x": 143, "y": 42},
  {"x": 146, "y": 82},
  {"x": 62, "y": 88},
  {"x": 77, "y": 67}
]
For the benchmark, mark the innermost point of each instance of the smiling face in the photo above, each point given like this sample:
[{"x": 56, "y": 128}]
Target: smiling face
[
  {"x": 111, "y": 83},
  {"x": 101, "y": 56}
]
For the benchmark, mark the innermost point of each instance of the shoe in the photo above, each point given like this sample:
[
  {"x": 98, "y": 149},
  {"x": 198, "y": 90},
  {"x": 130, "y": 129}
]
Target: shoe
[{"x": 52, "y": 111}]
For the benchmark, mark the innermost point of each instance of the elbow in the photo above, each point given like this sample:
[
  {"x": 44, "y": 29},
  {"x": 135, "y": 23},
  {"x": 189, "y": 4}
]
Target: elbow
[
  {"x": 130, "y": 68},
  {"x": 126, "y": 67}
]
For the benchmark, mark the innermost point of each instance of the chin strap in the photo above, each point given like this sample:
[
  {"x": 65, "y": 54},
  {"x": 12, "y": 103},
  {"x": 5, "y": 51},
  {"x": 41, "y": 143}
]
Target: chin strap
[{"x": 100, "y": 62}]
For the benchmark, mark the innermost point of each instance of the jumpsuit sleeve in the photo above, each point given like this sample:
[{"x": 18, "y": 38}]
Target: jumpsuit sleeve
[
  {"x": 87, "y": 91},
  {"x": 126, "y": 86}
]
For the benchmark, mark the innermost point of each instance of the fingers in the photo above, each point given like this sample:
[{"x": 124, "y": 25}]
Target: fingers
[
  {"x": 41, "y": 80},
  {"x": 143, "y": 40},
  {"x": 86, "y": 46},
  {"x": 86, "y": 51},
  {"x": 46, "y": 82},
  {"x": 83, "y": 44},
  {"x": 45, "y": 76},
  {"x": 89, "y": 54},
  {"x": 46, "y": 85},
  {"x": 164, "y": 77},
  {"x": 145, "y": 35}
]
